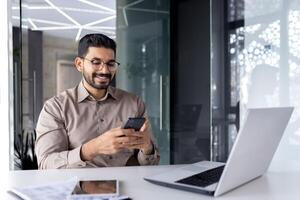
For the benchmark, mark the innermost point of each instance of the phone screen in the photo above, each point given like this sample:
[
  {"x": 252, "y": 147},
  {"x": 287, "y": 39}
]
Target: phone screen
[{"x": 96, "y": 187}]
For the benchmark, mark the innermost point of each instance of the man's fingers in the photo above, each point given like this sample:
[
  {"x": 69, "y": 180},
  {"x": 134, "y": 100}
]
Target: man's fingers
[
  {"x": 132, "y": 133},
  {"x": 129, "y": 141},
  {"x": 145, "y": 126},
  {"x": 135, "y": 146},
  {"x": 122, "y": 132},
  {"x": 116, "y": 129}
]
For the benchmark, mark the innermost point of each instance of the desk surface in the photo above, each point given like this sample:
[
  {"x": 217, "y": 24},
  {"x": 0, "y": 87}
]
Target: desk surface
[{"x": 273, "y": 185}]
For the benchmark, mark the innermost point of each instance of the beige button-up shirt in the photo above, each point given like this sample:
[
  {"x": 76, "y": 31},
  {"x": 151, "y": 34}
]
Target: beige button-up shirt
[{"x": 74, "y": 117}]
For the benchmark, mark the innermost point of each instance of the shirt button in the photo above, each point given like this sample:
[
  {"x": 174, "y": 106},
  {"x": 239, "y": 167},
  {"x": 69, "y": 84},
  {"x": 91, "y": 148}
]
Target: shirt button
[
  {"x": 102, "y": 120},
  {"x": 110, "y": 157}
]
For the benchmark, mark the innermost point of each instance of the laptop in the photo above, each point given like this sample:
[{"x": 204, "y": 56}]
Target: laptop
[{"x": 250, "y": 156}]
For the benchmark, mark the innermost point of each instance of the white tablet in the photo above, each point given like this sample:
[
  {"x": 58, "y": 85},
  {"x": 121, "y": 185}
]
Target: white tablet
[{"x": 87, "y": 189}]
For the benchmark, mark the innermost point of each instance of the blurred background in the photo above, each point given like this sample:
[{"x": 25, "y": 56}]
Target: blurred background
[{"x": 198, "y": 65}]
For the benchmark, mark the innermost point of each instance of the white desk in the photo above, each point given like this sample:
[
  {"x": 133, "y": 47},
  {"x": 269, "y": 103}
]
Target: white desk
[{"x": 271, "y": 186}]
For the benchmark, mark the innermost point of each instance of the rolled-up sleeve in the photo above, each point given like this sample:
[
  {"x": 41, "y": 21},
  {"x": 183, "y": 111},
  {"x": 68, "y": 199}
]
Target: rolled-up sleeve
[
  {"x": 52, "y": 146},
  {"x": 152, "y": 159}
]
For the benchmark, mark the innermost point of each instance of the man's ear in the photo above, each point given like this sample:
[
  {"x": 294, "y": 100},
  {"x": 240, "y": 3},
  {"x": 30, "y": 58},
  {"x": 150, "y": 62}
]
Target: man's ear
[{"x": 79, "y": 64}]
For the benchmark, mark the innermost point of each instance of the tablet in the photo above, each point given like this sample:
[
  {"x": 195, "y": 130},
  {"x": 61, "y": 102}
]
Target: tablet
[{"x": 95, "y": 188}]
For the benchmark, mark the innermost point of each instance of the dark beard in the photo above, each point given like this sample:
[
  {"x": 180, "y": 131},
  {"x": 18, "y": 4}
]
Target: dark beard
[{"x": 98, "y": 86}]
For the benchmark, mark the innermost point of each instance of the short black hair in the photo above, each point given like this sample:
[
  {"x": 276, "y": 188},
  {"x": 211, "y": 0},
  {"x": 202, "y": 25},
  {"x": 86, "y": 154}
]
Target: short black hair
[{"x": 95, "y": 40}]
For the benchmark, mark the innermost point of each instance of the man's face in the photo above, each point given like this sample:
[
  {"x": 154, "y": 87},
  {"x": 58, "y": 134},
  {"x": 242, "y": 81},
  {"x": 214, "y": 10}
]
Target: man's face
[{"x": 95, "y": 67}]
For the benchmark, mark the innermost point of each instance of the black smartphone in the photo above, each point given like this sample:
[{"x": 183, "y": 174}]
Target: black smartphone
[{"x": 135, "y": 123}]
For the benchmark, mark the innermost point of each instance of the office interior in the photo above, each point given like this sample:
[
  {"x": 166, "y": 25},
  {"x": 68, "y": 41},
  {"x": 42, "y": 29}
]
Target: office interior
[{"x": 198, "y": 65}]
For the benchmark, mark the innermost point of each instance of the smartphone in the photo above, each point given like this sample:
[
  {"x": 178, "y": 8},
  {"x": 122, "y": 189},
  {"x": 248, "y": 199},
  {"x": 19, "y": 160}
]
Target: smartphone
[
  {"x": 94, "y": 188},
  {"x": 135, "y": 123}
]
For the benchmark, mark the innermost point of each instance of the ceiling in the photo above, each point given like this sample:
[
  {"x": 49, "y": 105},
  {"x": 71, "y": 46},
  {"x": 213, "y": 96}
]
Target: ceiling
[
  {"x": 66, "y": 18},
  {"x": 75, "y": 18}
]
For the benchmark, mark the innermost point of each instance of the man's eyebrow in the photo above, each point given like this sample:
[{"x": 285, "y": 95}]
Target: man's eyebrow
[{"x": 95, "y": 58}]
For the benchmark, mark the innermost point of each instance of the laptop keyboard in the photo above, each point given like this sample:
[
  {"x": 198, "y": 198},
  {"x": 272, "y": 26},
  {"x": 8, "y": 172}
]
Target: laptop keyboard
[{"x": 205, "y": 178}]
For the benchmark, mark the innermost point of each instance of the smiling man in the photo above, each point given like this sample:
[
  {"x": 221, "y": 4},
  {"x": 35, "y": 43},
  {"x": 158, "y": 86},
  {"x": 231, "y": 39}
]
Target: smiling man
[{"x": 82, "y": 126}]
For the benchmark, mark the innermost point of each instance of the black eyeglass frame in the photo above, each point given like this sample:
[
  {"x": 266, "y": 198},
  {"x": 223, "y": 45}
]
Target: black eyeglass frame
[{"x": 101, "y": 63}]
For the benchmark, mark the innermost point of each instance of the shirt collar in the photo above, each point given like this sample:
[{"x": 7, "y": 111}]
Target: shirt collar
[
  {"x": 83, "y": 93},
  {"x": 112, "y": 92}
]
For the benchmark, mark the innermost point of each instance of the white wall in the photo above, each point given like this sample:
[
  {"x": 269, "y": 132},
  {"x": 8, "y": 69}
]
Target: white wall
[{"x": 5, "y": 72}]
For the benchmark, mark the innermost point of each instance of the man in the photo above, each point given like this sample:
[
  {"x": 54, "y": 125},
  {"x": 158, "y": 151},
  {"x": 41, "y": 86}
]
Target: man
[{"x": 82, "y": 126}]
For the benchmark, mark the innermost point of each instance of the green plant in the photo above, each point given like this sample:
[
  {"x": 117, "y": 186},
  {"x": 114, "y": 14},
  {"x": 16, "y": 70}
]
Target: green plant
[{"x": 24, "y": 144}]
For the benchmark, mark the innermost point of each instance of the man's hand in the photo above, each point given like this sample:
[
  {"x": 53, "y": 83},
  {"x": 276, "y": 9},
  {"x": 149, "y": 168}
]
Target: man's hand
[
  {"x": 110, "y": 142},
  {"x": 116, "y": 140},
  {"x": 144, "y": 141}
]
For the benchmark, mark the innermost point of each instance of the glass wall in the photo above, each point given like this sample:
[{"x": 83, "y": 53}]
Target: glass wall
[
  {"x": 271, "y": 67},
  {"x": 255, "y": 63},
  {"x": 227, "y": 41},
  {"x": 261, "y": 69},
  {"x": 45, "y": 36},
  {"x": 143, "y": 50}
]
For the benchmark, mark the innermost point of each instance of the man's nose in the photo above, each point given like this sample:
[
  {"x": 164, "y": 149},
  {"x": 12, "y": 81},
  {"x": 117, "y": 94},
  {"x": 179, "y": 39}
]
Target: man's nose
[{"x": 104, "y": 68}]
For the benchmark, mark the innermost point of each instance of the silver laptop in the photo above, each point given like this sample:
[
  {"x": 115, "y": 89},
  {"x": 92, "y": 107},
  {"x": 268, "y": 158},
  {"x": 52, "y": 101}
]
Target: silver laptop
[{"x": 250, "y": 156}]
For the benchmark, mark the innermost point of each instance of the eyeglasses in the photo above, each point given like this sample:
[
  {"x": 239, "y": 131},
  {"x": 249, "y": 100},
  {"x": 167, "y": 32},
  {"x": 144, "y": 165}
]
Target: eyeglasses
[{"x": 98, "y": 64}]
